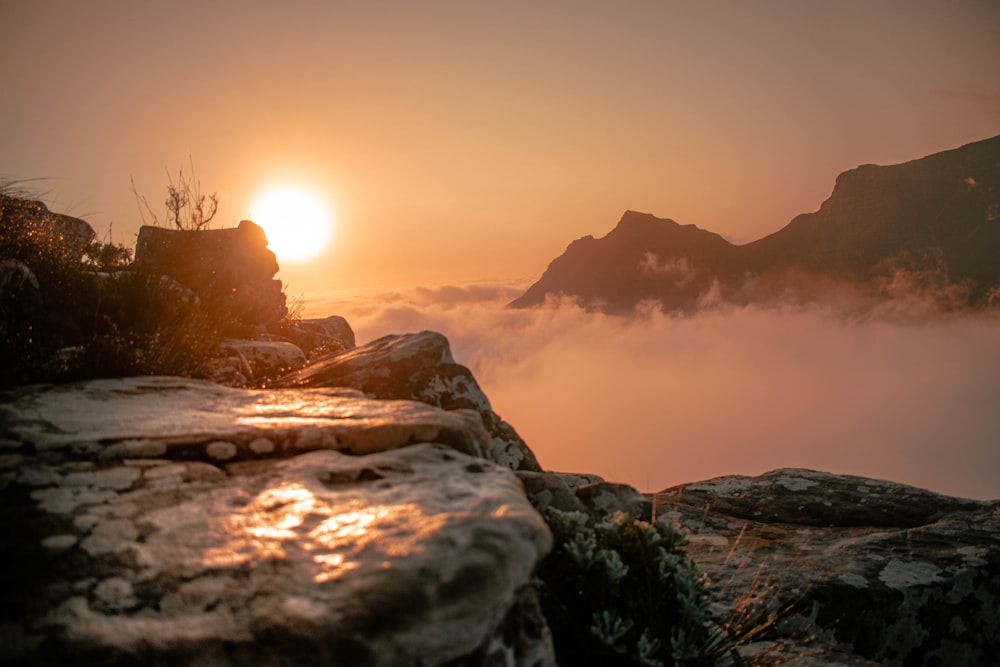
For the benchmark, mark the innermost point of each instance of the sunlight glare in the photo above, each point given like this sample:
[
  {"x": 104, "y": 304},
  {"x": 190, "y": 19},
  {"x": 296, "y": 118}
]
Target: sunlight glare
[{"x": 297, "y": 223}]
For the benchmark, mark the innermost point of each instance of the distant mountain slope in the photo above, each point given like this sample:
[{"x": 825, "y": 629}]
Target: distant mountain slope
[{"x": 935, "y": 220}]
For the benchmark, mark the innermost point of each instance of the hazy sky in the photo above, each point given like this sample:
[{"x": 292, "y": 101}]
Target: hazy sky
[{"x": 473, "y": 140}]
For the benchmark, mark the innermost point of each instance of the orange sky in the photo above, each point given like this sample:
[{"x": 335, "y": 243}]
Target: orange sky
[{"x": 462, "y": 141}]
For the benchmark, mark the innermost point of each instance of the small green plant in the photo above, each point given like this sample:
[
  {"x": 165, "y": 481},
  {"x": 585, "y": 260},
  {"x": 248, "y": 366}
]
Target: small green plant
[{"x": 623, "y": 592}]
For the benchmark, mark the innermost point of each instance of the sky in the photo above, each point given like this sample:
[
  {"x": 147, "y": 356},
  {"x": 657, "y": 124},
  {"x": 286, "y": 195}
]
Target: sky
[
  {"x": 463, "y": 141},
  {"x": 463, "y": 145}
]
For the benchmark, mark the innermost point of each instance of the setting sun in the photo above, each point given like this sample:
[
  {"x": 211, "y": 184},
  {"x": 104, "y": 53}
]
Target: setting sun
[{"x": 297, "y": 223}]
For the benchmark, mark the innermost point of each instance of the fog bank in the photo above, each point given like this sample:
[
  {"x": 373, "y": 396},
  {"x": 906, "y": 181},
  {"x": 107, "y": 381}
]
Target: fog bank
[{"x": 658, "y": 400}]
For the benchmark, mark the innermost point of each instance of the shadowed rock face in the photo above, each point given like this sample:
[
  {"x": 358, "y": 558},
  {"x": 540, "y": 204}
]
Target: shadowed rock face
[
  {"x": 72, "y": 233},
  {"x": 163, "y": 521},
  {"x": 226, "y": 267},
  {"x": 872, "y": 570},
  {"x": 934, "y": 221}
]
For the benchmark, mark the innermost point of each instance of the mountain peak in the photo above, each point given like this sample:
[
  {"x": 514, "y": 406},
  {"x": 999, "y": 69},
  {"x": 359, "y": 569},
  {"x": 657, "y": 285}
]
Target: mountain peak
[{"x": 936, "y": 217}]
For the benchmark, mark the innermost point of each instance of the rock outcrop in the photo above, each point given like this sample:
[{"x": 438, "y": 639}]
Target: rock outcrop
[
  {"x": 417, "y": 367},
  {"x": 378, "y": 521},
  {"x": 69, "y": 235},
  {"x": 171, "y": 521},
  {"x": 929, "y": 227},
  {"x": 320, "y": 337},
  {"x": 860, "y": 571},
  {"x": 227, "y": 268}
]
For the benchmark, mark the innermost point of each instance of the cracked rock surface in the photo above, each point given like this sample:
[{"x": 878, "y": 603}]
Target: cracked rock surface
[
  {"x": 170, "y": 521},
  {"x": 873, "y": 572}
]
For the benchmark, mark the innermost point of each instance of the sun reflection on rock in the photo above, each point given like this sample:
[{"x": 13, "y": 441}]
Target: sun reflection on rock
[{"x": 336, "y": 532}]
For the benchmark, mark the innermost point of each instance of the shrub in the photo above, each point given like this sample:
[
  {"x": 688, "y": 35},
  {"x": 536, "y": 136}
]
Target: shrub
[
  {"x": 82, "y": 315},
  {"x": 623, "y": 592}
]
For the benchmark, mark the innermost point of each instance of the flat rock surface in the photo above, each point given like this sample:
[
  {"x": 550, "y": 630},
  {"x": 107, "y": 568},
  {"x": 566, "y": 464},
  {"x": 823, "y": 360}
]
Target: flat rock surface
[
  {"x": 167, "y": 521},
  {"x": 864, "y": 568},
  {"x": 152, "y": 417}
]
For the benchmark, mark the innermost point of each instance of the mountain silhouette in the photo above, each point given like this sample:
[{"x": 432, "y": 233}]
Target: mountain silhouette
[{"x": 929, "y": 226}]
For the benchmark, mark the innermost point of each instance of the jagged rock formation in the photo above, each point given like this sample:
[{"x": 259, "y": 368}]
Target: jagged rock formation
[
  {"x": 170, "y": 521},
  {"x": 931, "y": 225},
  {"x": 230, "y": 268},
  {"x": 873, "y": 572},
  {"x": 417, "y": 367}
]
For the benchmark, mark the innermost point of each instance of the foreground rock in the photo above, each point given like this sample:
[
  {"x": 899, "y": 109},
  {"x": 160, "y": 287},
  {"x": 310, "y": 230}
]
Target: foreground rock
[
  {"x": 416, "y": 367},
  {"x": 170, "y": 521},
  {"x": 868, "y": 570}
]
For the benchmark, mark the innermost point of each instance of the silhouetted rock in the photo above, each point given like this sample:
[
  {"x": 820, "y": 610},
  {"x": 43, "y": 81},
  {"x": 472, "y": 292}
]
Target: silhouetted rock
[
  {"x": 872, "y": 569},
  {"x": 416, "y": 367},
  {"x": 227, "y": 268},
  {"x": 170, "y": 521},
  {"x": 66, "y": 234},
  {"x": 929, "y": 227}
]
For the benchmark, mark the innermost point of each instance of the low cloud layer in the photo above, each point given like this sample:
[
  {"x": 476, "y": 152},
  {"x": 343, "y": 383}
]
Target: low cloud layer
[{"x": 657, "y": 400}]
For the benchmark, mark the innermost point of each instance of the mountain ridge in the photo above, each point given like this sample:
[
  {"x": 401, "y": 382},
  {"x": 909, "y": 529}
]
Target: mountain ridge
[{"x": 935, "y": 217}]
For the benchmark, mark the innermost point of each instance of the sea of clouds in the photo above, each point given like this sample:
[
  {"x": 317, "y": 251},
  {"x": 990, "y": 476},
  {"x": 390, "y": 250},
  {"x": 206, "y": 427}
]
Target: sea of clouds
[{"x": 899, "y": 392}]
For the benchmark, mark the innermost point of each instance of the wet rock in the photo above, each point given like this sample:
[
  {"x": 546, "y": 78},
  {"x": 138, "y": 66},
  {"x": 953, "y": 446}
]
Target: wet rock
[
  {"x": 168, "y": 521},
  {"x": 865, "y": 568},
  {"x": 416, "y": 367}
]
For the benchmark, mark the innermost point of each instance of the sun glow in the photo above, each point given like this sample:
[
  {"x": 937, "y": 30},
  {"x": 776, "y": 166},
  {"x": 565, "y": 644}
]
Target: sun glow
[{"x": 297, "y": 223}]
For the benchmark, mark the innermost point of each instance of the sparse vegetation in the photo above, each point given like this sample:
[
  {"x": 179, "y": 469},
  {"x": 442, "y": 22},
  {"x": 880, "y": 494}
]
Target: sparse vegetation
[
  {"x": 624, "y": 592},
  {"x": 71, "y": 309},
  {"x": 106, "y": 256},
  {"x": 186, "y": 207}
]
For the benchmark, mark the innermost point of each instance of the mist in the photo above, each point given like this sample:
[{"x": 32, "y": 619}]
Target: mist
[{"x": 655, "y": 400}]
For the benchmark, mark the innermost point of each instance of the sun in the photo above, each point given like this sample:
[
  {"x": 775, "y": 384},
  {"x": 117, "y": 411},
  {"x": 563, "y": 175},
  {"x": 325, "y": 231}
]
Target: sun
[{"x": 297, "y": 223}]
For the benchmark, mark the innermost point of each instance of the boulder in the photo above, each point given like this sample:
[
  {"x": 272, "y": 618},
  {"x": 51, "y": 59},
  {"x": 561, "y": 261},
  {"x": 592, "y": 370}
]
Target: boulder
[
  {"x": 17, "y": 281},
  {"x": 319, "y": 337},
  {"x": 64, "y": 235},
  {"x": 228, "y": 268},
  {"x": 416, "y": 367},
  {"x": 568, "y": 492},
  {"x": 264, "y": 360},
  {"x": 170, "y": 521},
  {"x": 868, "y": 570}
]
